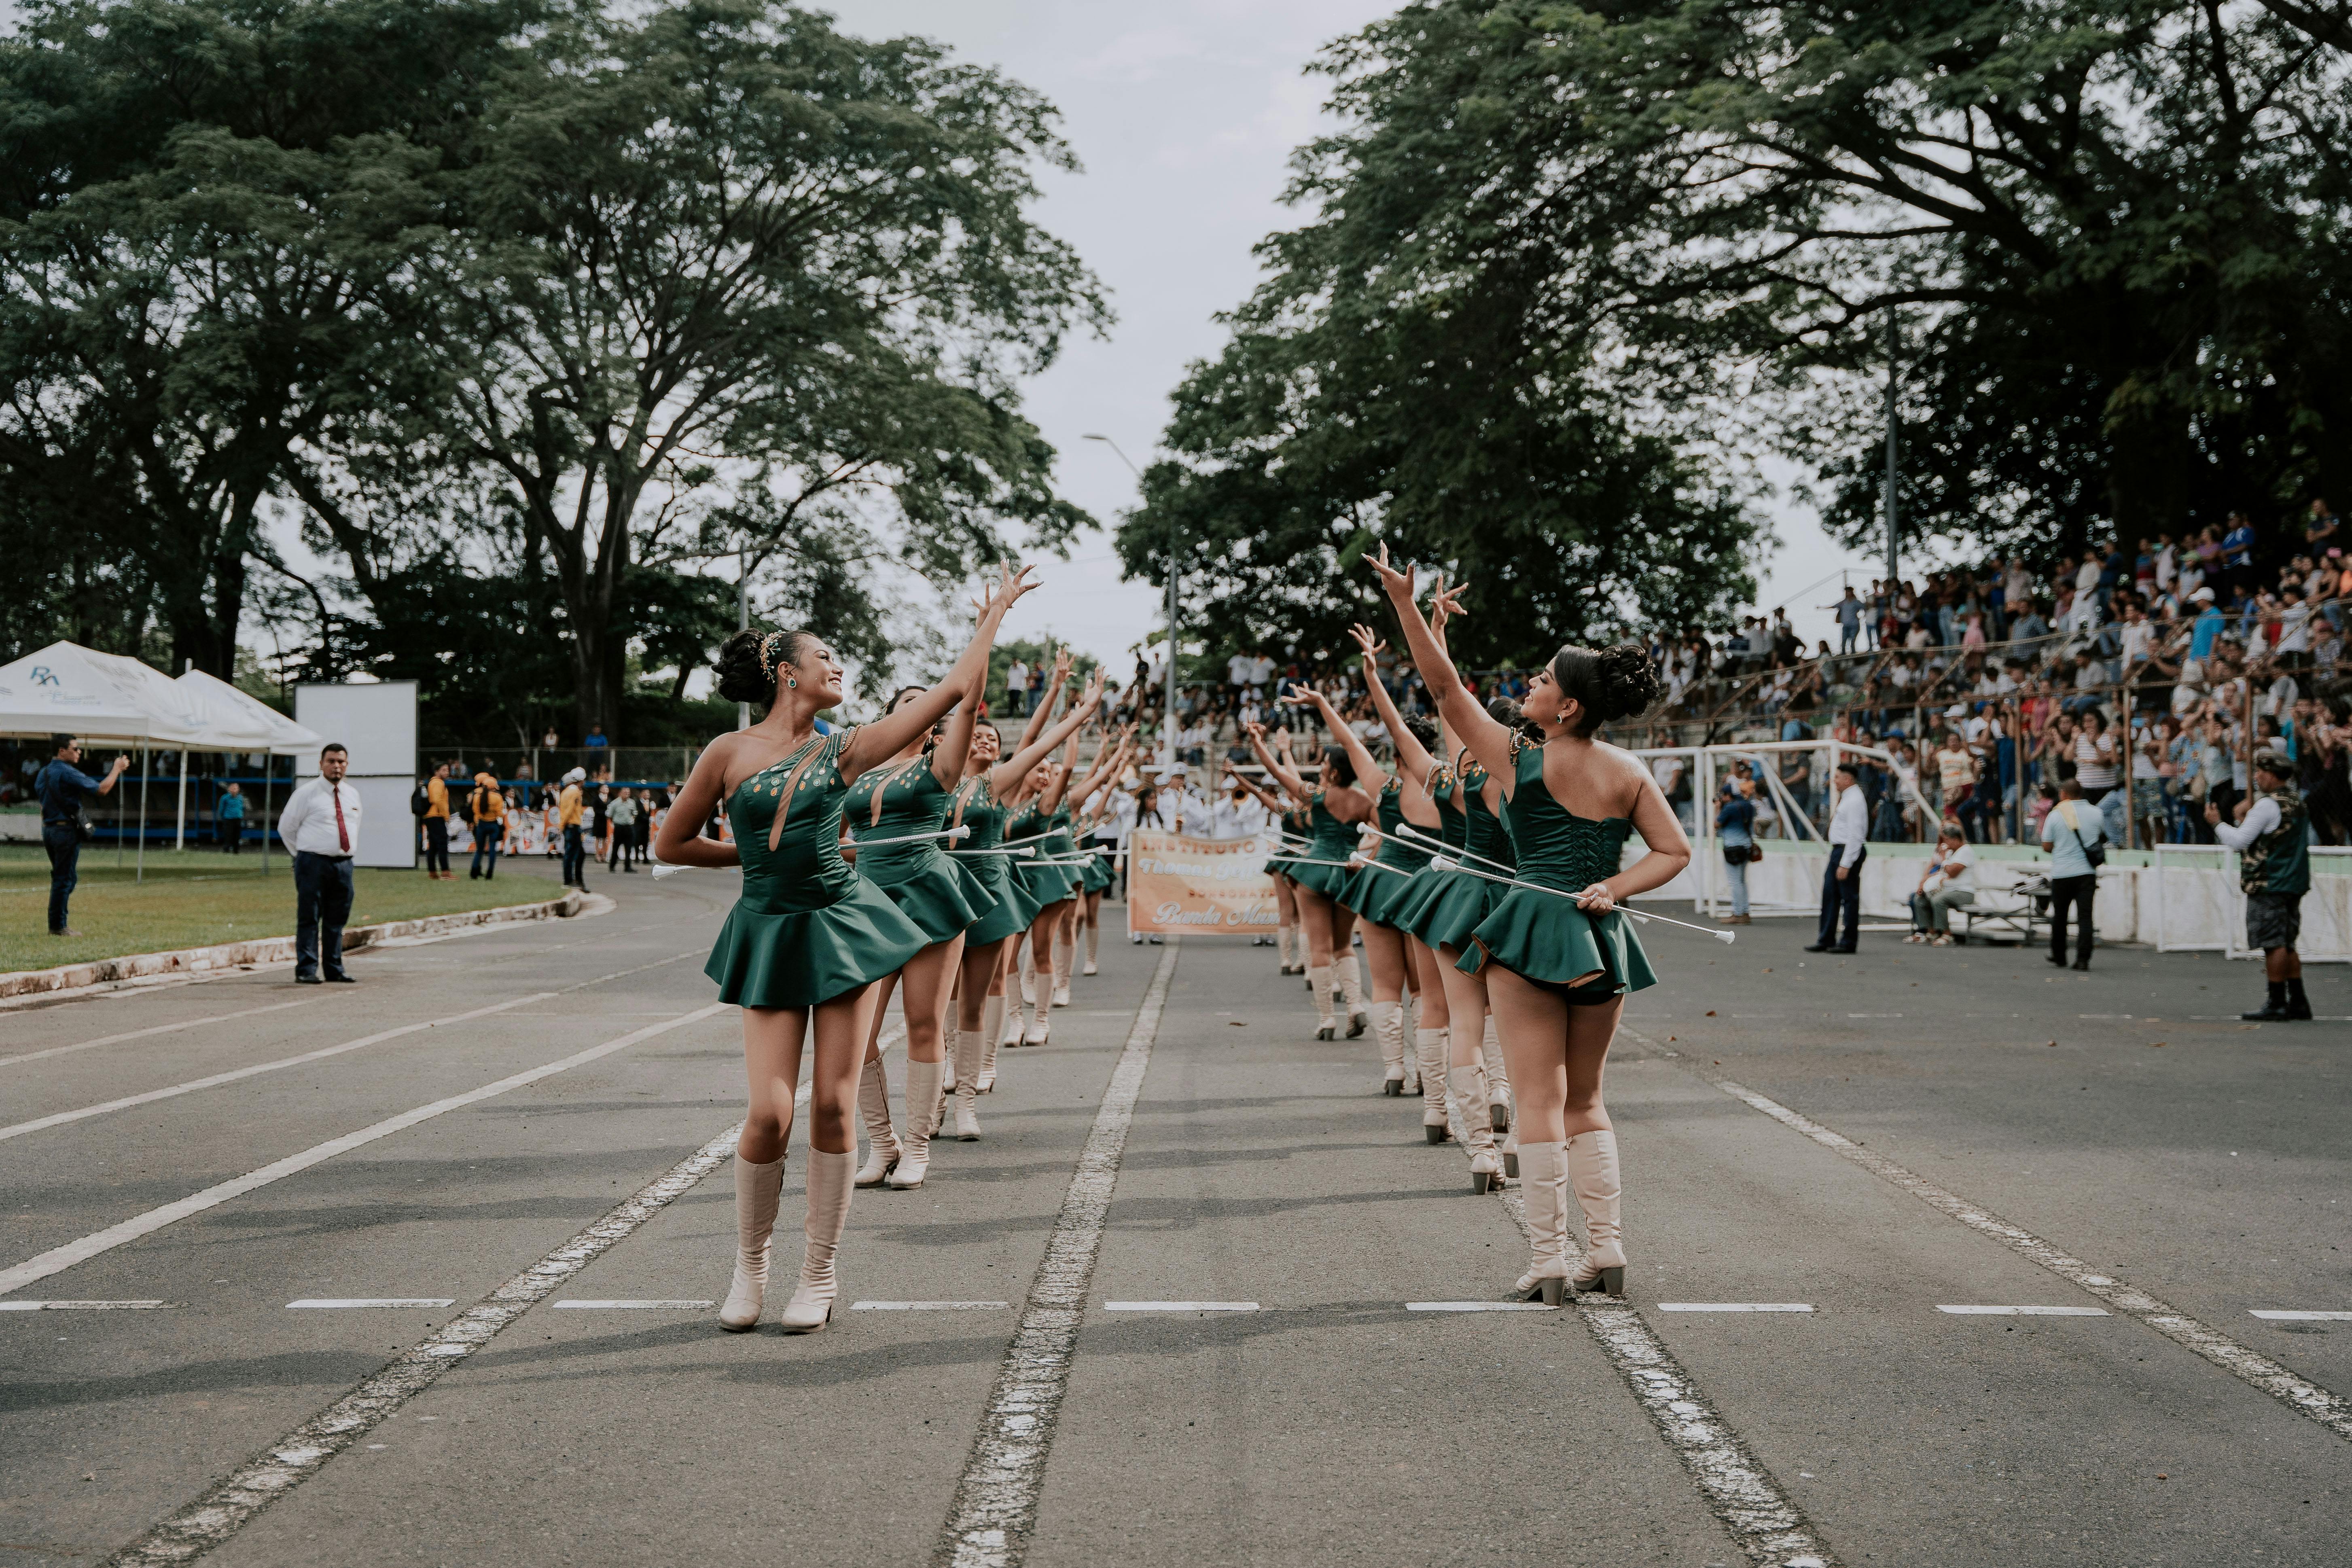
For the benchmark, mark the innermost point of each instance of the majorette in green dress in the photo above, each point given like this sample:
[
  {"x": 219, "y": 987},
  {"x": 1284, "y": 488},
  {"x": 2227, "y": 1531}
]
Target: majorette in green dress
[
  {"x": 1095, "y": 875},
  {"x": 1328, "y": 838},
  {"x": 1376, "y": 895},
  {"x": 1048, "y": 883},
  {"x": 807, "y": 928},
  {"x": 1293, "y": 824},
  {"x": 1447, "y": 906},
  {"x": 1541, "y": 936},
  {"x": 938, "y": 894},
  {"x": 1012, "y": 911}
]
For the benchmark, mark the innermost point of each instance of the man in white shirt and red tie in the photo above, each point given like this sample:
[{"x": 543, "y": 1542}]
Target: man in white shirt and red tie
[
  {"x": 1841, "y": 881},
  {"x": 321, "y": 826}
]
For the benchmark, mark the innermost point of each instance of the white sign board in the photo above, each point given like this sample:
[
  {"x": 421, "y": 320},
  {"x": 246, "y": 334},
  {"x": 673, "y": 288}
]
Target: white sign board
[{"x": 376, "y": 721}]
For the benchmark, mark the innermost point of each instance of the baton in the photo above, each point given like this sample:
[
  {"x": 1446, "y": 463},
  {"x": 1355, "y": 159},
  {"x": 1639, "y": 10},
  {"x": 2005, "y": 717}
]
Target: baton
[
  {"x": 1441, "y": 846},
  {"x": 1355, "y": 865},
  {"x": 1445, "y": 863},
  {"x": 951, "y": 833},
  {"x": 1024, "y": 852}
]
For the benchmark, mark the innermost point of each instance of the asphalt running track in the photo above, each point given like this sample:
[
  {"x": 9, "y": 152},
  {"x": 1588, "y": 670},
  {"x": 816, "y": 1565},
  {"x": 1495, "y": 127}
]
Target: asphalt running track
[{"x": 1200, "y": 1295}]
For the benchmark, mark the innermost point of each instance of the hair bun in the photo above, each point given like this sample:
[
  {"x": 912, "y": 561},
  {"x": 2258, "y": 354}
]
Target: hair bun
[
  {"x": 741, "y": 678},
  {"x": 1627, "y": 682}
]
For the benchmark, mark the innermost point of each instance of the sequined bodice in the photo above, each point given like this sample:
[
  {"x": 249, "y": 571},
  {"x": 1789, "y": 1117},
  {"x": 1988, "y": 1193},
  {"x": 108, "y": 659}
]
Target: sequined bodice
[
  {"x": 805, "y": 870},
  {"x": 912, "y": 802},
  {"x": 1555, "y": 847}
]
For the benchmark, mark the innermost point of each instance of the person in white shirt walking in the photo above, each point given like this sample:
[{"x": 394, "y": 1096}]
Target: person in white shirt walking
[
  {"x": 1841, "y": 879},
  {"x": 320, "y": 828}
]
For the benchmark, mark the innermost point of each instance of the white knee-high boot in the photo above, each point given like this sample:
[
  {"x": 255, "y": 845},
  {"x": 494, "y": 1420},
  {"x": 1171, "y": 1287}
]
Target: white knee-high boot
[
  {"x": 1349, "y": 979},
  {"x": 1592, "y": 1163},
  {"x": 1093, "y": 946},
  {"x": 1543, "y": 1183},
  {"x": 759, "y": 1188},
  {"x": 1021, "y": 966},
  {"x": 1429, "y": 1054},
  {"x": 991, "y": 1029},
  {"x": 1468, "y": 1085},
  {"x": 1042, "y": 1005},
  {"x": 1388, "y": 1029},
  {"x": 1282, "y": 947},
  {"x": 1498, "y": 1081},
  {"x": 1063, "y": 952},
  {"x": 971, "y": 1048},
  {"x": 1016, "y": 1019},
  {"x": 1319, "y": 980},
  {"x": 811, "y": 1308},
  {"x": 923, "y": 1082},
  {"x": 874, "y": 1110}
]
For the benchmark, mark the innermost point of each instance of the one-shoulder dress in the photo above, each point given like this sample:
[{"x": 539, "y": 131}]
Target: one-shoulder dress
[
  {"x": 1541, "y": 936},
  {"x": 1375, "y": 894},
  {"x": 807, "y": 928},
  {"x": 1044, "y": 881},
  {"x": 938, "y": 894},
  {"x": 1012, "y": 911},
  {"x": 1095, "y": 876},
  {"x": 1328, "y": 838},
  {"x": 1449, "y": 905}
]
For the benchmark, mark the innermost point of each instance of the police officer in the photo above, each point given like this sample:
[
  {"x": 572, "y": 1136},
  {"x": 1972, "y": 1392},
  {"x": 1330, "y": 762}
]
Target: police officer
[
  {"x": 2273, "y": 839},
  {"x": 62, "y": 784}
]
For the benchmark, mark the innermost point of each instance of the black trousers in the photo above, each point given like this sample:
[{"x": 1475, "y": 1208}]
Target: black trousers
[
  {"x": 2078, "y": 891},
  {"x": 1841, "y": 898},
  {"x": 62, "y": 840},
  {"x": 488, "y": 834},
  {"x": 436, "y": 843},
  {"x": 575, "y": 857},
  {"x": 323, "y": 904}
]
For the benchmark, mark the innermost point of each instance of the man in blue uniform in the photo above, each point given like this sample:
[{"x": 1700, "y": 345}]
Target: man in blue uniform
[{"x": 61, "y": 786}]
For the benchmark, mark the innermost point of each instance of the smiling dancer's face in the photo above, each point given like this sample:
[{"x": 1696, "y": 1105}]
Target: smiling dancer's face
[
  {"x": 985, "y": 745},
  {"x": 819, "y": 673}
]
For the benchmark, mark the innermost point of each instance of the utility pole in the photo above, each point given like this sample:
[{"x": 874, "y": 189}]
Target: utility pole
[
  {"x": 742, "y": 616},
  {"x": 1175, "y": 541},
  {"x": 1894, "y": 349}
]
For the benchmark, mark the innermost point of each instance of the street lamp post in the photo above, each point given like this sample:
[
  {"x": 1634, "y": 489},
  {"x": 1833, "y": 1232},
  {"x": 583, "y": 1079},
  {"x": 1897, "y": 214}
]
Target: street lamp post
[
  {"x": 742, "y": 616},
  {"x": 1168, "y": 713}
]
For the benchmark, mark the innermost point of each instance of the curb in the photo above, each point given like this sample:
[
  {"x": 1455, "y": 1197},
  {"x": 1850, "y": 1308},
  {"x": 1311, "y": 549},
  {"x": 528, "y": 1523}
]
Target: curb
[{"x": 272, "y": 949}]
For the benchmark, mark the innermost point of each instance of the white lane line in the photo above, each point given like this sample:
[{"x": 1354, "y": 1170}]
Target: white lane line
[
  {"x": 155, "y": 1029},
  {"x": 83, "y": 1306},
  {"x": 995, "y": 1505},
  {"x": 2292, "y": 1317},
  {"x": 329, "y": 1303},
  {"x": 1180, "y": 1306},
  {"x": 1478, "y": 1307},
  {"x": 1991, "y": 1311},
  {"x": 1734, "y": 1306},
  {"x": 62, "y": 1117},
  {"x": 1746, "y": 1499},
  {"x": 58, "y": 1258},
  {"x": 636, "y": 1306},
  {"x": 224, "y": 1509},
  {"x": 927, "y": 1306},
  {"x": 2298, "y": 1393}
]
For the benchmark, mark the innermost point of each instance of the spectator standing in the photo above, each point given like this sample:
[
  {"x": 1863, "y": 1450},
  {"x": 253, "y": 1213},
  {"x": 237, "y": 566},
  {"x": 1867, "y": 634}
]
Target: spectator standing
[
  {"x": 228, "y": 818},
  {"x": 1036, "y": 687},
  {"x": 321, "y": 826},
  {"x": 2077, "y": 837},
  {"x": 2272, "y": 836},
  {"x": 1849, "y": 619},
  {"x": 489, "y": 808},
  {"x": 436, "y": 825},
  {"x": 2237, "y": 554},
  {"x": 2321, "y": 529},
  {"x": 1842, "y": 877},
  {"x": 623, "y": 815},
  {"x": 1016, "y": 684},
  {"x": 1734, "y": 828},
  {"x": 596, "y": 741},
  {"x": 568, "y": 806},
  {"x": 60, "y": 785},
  {"x": 1950, "y": 882}
]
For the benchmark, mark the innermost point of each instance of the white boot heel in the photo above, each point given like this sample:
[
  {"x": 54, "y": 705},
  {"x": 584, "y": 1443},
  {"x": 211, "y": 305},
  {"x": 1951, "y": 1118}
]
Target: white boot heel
[
  {"x": 759, "y": 1188},
  {"x": 874, "y": 1110},
  {"x": 1543, "y": 1183},
  {"x": 811, "y": 1308},
  {"x": 1591, "y": 1169}
]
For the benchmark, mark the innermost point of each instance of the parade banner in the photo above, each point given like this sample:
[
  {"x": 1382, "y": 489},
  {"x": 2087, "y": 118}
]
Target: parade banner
[{"x": 1203, "y": 886}]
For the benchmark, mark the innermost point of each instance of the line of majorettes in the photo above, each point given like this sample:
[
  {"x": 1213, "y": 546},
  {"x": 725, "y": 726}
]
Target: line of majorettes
[
  {"x": 819, "y": 938},
  {"x": 1517, "y": 960}
]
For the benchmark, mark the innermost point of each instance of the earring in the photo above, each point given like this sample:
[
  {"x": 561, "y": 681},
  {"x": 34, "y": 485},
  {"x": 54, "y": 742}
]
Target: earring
[{"x": 792, "y": 683}]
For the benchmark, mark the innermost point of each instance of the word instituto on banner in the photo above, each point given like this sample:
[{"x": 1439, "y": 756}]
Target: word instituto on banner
[{"x": 1200, "y": 885}]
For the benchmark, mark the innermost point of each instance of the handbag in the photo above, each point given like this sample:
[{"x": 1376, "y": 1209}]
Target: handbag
[{"x": 1741, "y": 854}]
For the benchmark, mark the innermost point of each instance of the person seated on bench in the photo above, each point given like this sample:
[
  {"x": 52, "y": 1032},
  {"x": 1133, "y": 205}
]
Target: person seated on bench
[{"x": 1948, "y": 882}]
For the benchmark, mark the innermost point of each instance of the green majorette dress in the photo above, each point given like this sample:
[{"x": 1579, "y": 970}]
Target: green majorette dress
[
  {"x": 1449, "y": 905},
  {"x": 1377, "y": 896},
  {"x": 1045, "y": 883},
  {"x": 936, "y": 893},
  {"x": 807, "y": 928},
  {"x": 1293, "y": 822},
  {"x": 1012, "y": 911},
  {"x": 1541, "y": 936},
  {"x": 1095, "y": 875},
  {"x": 1328, "y": 838}
]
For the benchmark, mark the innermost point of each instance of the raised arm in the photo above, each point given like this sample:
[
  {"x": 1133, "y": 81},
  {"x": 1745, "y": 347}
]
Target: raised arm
[
  {"x": 1412, "y": 757},
  {"x": 1274, "y": 770},
  {"x": 888, "y": 736},
  {"x": 1488, "y": 742},
  {"x": 1371, "y": 777},
  {"x": 1006, "y": 776},
  {"x": 1272, "y": 803}
]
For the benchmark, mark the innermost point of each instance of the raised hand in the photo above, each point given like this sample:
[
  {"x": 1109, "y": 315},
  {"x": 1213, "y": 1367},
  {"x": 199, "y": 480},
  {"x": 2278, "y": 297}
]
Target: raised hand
[
  {"x": 1366, "y": 639},
  {"x": 1008, "y": 591},
  {"x": 1399, "y": 585},
  {"x": 1062, "y": 657},
  {"x": 1448, "y": 602}
]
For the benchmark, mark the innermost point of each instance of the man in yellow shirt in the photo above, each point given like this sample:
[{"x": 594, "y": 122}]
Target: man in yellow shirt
[
  {"x": 436, "y": 825},
  {"x": 567, "y": 816},
  {"x": 489, "y": 807}
]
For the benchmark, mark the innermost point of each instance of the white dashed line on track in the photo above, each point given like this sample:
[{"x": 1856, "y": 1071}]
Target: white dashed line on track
[
  {"x": 1180, "y": 1306},
  {"x": 2298, "y": 1317},
  {"x": 996, "y": 1496},
  {"x": 83, "y": 1306},
  {"x": 927, "y": 1306},
  {"x": 333, "y": 1304},
  {"x": 1478, "y": 1307},
  {"x": 634, "y": 1305},
  {"x": 154, "y": 1029},
  {"x": 59, "y": 1258},
  {"x": 1998, "y": 1311},
  {"x": 1734, "y": 1306}
]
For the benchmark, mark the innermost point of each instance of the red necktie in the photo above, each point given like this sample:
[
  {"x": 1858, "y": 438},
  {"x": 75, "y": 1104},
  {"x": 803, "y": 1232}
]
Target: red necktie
[{"x": 342, "y": 832}]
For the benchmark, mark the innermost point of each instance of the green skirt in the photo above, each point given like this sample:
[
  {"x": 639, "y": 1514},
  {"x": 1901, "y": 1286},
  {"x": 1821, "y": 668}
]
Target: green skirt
[
  {"x": 1336, "y": 883},
  {"x": 1044, "y": 885},
  {"x": 798, "y": 958},
  {"x": 1546, "y": 939},
  {"x": 943, "y": 898},
  {"x": 1446, "y": 906},
  {"x": 1377, "y": 896},
  {"x": 1094, "y": 874},
  {"x": 1013, "y": 911}
]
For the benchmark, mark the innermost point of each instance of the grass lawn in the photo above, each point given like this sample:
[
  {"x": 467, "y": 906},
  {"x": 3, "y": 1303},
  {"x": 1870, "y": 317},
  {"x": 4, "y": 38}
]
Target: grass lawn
[{"x": 197, "y": 897}]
